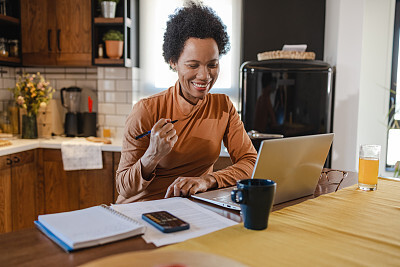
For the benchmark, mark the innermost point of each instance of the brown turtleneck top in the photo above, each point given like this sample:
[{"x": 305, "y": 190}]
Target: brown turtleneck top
[{"x": 201, "y": 128}]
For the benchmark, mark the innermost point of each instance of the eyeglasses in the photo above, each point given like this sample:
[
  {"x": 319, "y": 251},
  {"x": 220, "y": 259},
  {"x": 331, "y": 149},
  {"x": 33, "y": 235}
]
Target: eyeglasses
[{"x": 332, "y": 177}]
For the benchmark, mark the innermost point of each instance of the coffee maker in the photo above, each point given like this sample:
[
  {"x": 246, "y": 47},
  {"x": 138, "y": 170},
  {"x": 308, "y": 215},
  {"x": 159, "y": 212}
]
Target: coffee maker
[{"x": 71, "y": 100}]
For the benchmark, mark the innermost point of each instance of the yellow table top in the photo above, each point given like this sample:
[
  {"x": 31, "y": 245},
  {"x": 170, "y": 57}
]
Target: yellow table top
[{"x": 348, "y": 227}]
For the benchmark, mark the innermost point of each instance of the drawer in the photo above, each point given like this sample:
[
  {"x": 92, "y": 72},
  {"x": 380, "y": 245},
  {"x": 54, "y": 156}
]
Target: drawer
[{"x": 17, "y": 159}]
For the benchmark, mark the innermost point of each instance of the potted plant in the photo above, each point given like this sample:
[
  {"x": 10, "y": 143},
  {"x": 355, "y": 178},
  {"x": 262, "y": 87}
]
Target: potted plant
[
  {"x": 108, "y": 8},
  {"x": 114, "y": 43}
]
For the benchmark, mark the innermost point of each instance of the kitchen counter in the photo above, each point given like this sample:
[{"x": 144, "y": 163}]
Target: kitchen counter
[{"x": 20, "y": 145}]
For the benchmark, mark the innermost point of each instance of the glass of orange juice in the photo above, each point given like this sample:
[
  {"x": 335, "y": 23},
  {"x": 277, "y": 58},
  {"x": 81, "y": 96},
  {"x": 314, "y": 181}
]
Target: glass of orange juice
[{"x": 368, "y": 167}]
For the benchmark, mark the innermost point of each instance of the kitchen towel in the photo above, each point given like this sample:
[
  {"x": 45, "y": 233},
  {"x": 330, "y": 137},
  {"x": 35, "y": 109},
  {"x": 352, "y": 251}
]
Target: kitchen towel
[{"x": 79, "y": 154}]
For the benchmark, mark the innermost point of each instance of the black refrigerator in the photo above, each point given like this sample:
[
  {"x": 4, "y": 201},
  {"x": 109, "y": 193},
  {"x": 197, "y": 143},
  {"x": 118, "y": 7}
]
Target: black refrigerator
[{"x": 286, "y": 97}]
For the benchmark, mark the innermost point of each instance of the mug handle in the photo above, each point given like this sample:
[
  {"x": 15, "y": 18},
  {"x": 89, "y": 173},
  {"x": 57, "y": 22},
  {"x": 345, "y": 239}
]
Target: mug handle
[{"x": 237, "y": 196}]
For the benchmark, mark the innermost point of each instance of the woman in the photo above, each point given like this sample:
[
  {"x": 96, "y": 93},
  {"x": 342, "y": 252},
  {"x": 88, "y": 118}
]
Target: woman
[{"x": 177, "y": 159}]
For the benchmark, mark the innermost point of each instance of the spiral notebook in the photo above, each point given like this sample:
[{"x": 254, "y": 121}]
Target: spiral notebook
[{"x": 88, "y": 227}]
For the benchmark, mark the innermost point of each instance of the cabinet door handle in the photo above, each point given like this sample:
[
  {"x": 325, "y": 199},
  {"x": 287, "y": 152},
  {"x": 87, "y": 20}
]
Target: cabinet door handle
[
  {"x": 9, "y": 161},
  {"x": 16, "y": 159},
  {"x": 58, "y": 40},
  {"x": 49, "y": 39}
]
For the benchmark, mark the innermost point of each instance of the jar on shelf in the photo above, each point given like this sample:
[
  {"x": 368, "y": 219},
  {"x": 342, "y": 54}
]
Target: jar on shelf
[
  {"x": 13, "y": 48},
  {"x": 3, "y": 47},
  {"x": 100, "y": 51}
]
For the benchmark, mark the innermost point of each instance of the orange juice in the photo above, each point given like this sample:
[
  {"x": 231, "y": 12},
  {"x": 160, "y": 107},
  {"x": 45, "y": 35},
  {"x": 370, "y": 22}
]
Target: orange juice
[{"x": 368, "y": 171}]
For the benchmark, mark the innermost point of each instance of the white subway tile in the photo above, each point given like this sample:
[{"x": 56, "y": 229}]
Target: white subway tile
[
  {"x": 8, "y": 72},
  {"x": 100, "y": 119},
  {"x": 129, "y": 98},
  {"x": 123, "y": 109},
  {"x": 119, "y": 132},
  {"x": 100, "y": 97},
  {"x": 115, "y": 120},
  {"x": 124, "y": 85},
  {"x": 55, "y": 76},
  {"x": 18, "y": 71},
  {"x": 11, "y": 72},
  {"x": 122, "y": 98},
  {"x": 106, "y": 108},
  {"x": 91, "y": 76},
  {"x": 75, "y": 76},
  {"x": 64, "y": 83},
  {"x": 52, "y": 83},
  {"x": 75, "y": 70},
  {"x": 91, "y": 70},
  {"x": 34, "y": 70},
  {"x": 89, "y": 84},
  {"x": 115, "y": 73},
  {"x": 5, "y": 94},
  {"x": 109, "y": 97},
  {"x": 54, "y": 70},
  {"x": 115, "y": 97},
  {"x": 100, "y": 72},
  {"x": 9, "y": 82},
  {"x": 129, "y": 73},
  {"x": 106, "y": 85}
]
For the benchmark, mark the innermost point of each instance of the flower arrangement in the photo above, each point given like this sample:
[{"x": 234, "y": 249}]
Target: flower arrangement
[{"x": 32, "y": 92}]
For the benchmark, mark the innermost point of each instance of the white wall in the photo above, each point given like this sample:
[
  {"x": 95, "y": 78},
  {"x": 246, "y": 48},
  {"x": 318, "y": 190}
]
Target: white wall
[{"x": 358, "y": 41}]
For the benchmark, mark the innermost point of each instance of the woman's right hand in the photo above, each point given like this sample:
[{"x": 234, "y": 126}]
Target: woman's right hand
[{"x": 162, "y": 139}]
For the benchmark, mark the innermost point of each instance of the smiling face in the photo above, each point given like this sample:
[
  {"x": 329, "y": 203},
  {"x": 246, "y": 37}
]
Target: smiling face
[{"x": 198, "y": 68}]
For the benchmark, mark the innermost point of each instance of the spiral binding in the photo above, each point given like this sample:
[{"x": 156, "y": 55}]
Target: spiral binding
[{"x": 120, "y": 214}]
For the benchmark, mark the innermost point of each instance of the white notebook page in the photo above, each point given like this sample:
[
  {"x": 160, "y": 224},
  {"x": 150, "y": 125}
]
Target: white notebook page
[
  {"x": 202, "y": 221},
  {"x": 85, "y": 225}
]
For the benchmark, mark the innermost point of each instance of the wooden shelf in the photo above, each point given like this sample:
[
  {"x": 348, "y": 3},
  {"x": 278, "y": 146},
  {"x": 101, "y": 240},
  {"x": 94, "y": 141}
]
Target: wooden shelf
[
  {"x": 10, "y": 59},
  {"x": 100, "y": 20},
  {"x": 9, "y": 19},
  {"x": 108, "y": 61}
]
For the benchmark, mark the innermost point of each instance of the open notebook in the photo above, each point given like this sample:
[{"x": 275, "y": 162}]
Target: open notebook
[{"x": 88, "y": 227}]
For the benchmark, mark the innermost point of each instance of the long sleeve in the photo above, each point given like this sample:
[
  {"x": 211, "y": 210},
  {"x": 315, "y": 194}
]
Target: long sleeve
[
  {"x": 129, "y": 179},
  {"x": 241, "y": 151}
]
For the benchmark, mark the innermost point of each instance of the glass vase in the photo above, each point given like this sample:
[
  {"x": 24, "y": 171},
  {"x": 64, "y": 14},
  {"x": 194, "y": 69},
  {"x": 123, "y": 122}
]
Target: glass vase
[{"x": 29, "y": 127}]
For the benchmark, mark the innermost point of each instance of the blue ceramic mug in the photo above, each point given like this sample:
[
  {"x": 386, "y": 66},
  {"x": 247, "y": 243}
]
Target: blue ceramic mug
[{"x": 255, "y": 197}]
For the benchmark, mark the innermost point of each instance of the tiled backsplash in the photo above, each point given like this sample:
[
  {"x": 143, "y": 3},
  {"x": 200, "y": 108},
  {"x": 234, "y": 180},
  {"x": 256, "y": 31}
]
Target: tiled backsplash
[{"x": 116, "y": 88}]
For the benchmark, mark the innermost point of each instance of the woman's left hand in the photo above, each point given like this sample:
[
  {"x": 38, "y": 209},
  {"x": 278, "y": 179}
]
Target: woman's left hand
[{"x": 186, "y": 186}]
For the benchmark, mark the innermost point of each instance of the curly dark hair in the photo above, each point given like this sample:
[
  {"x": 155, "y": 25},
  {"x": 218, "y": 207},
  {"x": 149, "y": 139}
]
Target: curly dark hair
[{"x": 194, "y": 20}]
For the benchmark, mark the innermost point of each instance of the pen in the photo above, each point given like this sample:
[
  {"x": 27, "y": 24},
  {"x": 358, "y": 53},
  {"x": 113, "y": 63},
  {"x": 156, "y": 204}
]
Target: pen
[{"x": 146, "y": 133}]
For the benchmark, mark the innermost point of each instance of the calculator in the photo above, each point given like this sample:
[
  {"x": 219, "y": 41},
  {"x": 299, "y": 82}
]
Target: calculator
[{"x": 165, "y": 221}]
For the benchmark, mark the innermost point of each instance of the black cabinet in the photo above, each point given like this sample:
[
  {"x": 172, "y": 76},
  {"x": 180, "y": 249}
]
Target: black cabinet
[
  {"x": 126, "y": 21},
  {"x": 10, "y": 33}
]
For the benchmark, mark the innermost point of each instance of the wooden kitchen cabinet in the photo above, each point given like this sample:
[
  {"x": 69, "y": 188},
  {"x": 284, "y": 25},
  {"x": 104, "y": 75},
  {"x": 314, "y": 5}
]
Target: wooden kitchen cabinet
[
  {"x": 56, "y": 32},
  {"x": 18, "y": 191},
  {"x": 72, "y": 190}
]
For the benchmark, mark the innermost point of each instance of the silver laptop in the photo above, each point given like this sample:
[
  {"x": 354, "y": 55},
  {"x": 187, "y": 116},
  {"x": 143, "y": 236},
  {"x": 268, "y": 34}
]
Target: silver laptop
[{"x": 294, "y": 163}]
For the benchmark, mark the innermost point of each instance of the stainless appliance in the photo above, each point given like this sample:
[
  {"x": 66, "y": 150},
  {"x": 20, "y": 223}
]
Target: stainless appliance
[
  {"x": 286, "y": 97},
  {"x": 71, "y": 100}
]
